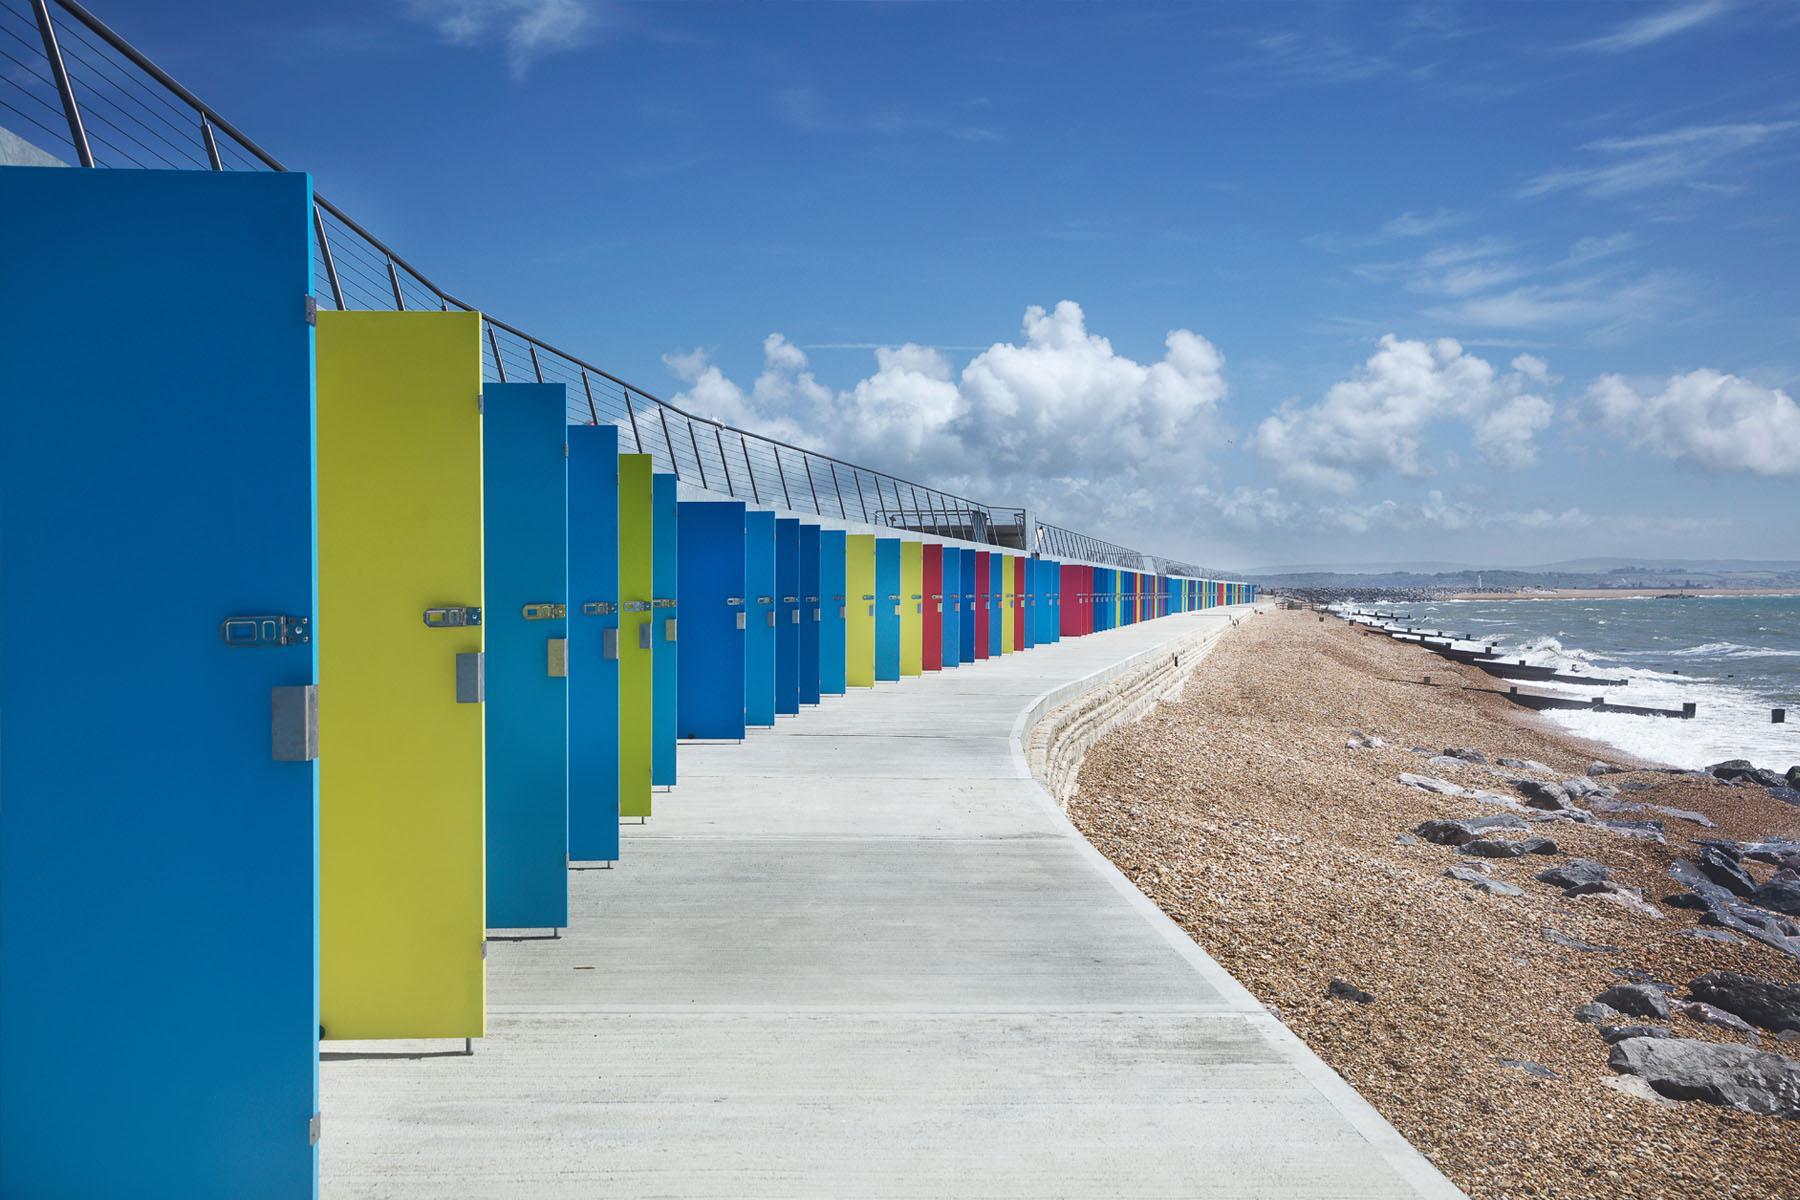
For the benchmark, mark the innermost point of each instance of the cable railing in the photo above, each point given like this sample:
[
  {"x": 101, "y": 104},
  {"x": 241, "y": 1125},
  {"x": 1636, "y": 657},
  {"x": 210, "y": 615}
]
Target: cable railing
[{"x": 79, "y": 93}]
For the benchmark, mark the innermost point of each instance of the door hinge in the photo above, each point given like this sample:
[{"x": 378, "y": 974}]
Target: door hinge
[
  {"x": 557, "y": 657},
  {"x": 312, "y": 318},
  {"x": 471, "y": 678},
  {"x": 312, "y": 1130},
  {"x": 480, "y": 402}
]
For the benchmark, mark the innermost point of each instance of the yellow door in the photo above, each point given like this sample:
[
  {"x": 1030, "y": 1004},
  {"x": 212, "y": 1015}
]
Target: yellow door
[
  {"x": 636, "y": 651},
  {"x": 1008, "y": 603},
  {"x": 859, "y": 609},
  {"x": 401, "y": 856},
  {"x": 912, "y": 610}
]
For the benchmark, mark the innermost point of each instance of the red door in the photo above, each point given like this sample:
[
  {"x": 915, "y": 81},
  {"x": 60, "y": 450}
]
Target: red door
[
  {"x": 931, "y": 644},
  {"x": 980, "y": 615},
  {"x": 1017, "y": 616}
]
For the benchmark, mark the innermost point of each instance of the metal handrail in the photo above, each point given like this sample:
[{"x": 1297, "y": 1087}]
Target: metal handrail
[{"x": 363, "y": 262}]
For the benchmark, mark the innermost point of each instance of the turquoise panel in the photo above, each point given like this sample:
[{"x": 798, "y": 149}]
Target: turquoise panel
[
  {"x": 887, "y": 609},
  {"x": 759, "y": 640},
  {"x": 593, "y": 643},
  {"x": 665, "y": 626}
]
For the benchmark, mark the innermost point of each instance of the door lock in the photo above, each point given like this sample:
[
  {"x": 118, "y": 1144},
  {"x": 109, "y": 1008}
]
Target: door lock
[
  {"x": 452, "y": 618},
  {"x": 265, "y": 631},
  {"x": 544, "y": 612}
]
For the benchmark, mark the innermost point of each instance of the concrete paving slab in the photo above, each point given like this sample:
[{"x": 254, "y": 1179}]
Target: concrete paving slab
[{"x": 863, "y": 954}]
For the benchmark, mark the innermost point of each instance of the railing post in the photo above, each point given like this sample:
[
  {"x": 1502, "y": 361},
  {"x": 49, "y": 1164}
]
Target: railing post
[
  {"x": 837, "y": 487},
  {"x": 536, "y": 370},
  {"x": 212, "y": 144},
  {"x": 787, "y": 501},
  {"x": 743, "y": 445},
  {"x": 806, "y": 461},
  {"x": 394, "y": 282},
  {"x": 593, "y": 413},
  {"x": 71, "y": 110},
  {"x": 861, "y": 502},
  {"x": 494, "y": 344},
  {"x": 674, "y": 464},
  {"x": 331, "y": 275},
  {"x": 719, "y": 438},
  {"x": 636, "y": 440}
]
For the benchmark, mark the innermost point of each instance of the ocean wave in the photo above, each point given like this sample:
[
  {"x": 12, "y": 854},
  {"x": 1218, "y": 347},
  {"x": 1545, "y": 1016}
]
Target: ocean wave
[{"x": 1731, "y": 650}]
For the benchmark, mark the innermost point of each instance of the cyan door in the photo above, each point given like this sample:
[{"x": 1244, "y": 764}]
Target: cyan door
[
  {"x": 887, "y": 609},
  {"x": 811, "y": 614},
  {"x": 834, "y": 600},
  {"x": 759, "y": 644},
  {"x": 787, "y": 616},
  {"x": 158, "y": 802},
  {"x": 666, "y": 648},
  {"x": 526, "y": 594},
  {"x": 594, "y": 643},
  {"x": 952, "y": 615}
]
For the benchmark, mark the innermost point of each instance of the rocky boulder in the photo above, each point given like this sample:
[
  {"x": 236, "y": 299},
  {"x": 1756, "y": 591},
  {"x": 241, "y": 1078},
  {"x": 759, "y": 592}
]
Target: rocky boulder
[
  {"x": 1495, "y": 848},
  {"x": 1774, "y": 1006},
  {"x": 1721, "y": 867},
  {"x": 1637, "y": 1000},
  {"x": 1447, "y": 832},
  {"x": 1493, "y": 887},
  {"x": 1739, "y": 1077},
  {"x": 1576, "y": 873},
  {"x": 1740, "y": 770},
  {"x": 1781, "y": 894},
  {"x": 1548, "y": 796},
  {"x": 1466, "y": 753}
]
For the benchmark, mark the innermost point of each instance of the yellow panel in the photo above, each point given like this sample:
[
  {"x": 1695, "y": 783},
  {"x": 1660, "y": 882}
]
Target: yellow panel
[
  {"x": 912, "y": 612},
  {"x": 401, "y": 862},
  {"x": 636, "y": 556},
  {"x": 859, "y": 609},
  {"x": 1009, "y": 601}
]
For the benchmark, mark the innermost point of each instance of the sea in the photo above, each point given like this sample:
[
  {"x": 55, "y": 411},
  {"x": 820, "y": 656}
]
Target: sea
[{"x": 1734, "y": 657}]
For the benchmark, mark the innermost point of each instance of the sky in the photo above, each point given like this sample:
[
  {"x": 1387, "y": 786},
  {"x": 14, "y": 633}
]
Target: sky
[{"x": 1245, "y": 285}]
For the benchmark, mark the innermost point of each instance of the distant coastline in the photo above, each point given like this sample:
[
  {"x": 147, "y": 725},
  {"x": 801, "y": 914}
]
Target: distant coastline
[{"x": 1618, "y": 593}]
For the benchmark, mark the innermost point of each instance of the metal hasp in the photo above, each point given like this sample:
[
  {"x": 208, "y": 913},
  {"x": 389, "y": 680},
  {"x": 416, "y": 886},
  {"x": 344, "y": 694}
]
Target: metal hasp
[
  {"x": 644, "y": 637},
  {"x": 636, "y": 606},
  {"x": 669, "y": 629},
  {"x": 609, "y": 645},
  {"x": 451, "y": 618},
  {"x": 598, "y": 608},
  {"x": 556, "y": 658},
  {"x": 294, "y": 723},
  {"x": 270, "y": 630},
  {"x": 471, "y": 678},
  {"x": 544, "y": 612}
]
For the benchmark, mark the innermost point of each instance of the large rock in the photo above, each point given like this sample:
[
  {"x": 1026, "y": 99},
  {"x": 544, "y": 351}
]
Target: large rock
[
  {"x": 1618, "y": 1033},
  {"x": 1465, "y": 753},
  {"x": 1429, "y": 783},
  {"x": 1446, "y": 832},
  {"x": 1738, "y": 770},
  {"x": 1774, "y": 1006},
  {"x": 1532, "y": 764},
  {"x": 1493, "y": 887},
  {"x": 1721, "y": 868},
  {"x": 1695, "y": 1010},
  {"x": 1739, "y": 1077},
  {"x": 1603, "y": 768},
  {"x": 1637, "y": 1000},
  {"x": 1576, "y": 873},
  {"x": 1781, "y": 894},
  {"x": 1547, "y": 796},
  {"x": 1495, "y": 848},
  {"x": 1793, "y": 777},
  {"x": 1580, "y": 785}
]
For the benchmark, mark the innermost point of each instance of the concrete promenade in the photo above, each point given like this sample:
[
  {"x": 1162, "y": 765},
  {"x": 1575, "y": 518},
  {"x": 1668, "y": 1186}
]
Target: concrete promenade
[{"x": 863, "y": 954}]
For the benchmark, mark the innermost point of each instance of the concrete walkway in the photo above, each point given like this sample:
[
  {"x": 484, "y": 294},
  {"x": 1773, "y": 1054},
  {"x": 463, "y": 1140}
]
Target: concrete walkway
[{"x": 863, "y": 954}]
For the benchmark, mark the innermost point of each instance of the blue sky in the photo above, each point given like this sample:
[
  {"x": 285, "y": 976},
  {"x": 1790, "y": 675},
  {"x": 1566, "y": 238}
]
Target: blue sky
[{"x": 1249, "y": 284}]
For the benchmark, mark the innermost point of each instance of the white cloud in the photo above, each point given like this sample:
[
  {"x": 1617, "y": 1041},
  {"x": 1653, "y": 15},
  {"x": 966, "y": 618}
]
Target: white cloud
[
  {"x": 1659, "y": 160},
  {"x": 1664, "y": 23},
  {"x": 529, "y": 28},
  {"x": 1377, "y": 420},
  {"x": 1717, "y": 421},
  {"x": 1059, "y": 411},
  {"x": 1607, "y": 303},
  {"x": 1268, "y": 510}
]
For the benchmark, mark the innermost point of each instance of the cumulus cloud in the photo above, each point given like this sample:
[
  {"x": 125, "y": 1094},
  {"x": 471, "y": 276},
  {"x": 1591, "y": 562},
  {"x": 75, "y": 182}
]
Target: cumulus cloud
[
  {"x": 1058, "y": 411},
  {"x": 1377, "y": 420},
  {"x": 1717, "y": 421},
  {"x": 529, "y": 29}
]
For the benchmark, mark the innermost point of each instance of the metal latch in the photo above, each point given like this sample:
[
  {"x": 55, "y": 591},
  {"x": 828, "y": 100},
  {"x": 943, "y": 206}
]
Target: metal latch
[
  {"x": 741, "y": 623},
  {"x": 790, "y": 599},
  {"x": 311, "y": 310},
  {"x": 636, "y": 606},
  {"x": 734, "y": 601},
  {"x": 662, "y": 602},
  {"x": 599, "y": 608},
  {"x": 669, "y": 630},
  {"x": 544, "y": 612},
  {"x": 609, "y": 645},
  {"x": 644, "y": 635},
  {"x": 294, "y": 723},
  {"x": 451, "y": 618},
  {"x": 266, "y": 631},
  {"x": 556, "y": 656},
  {"x": 765, "y": 599},
  {"x": 471, "y": 678}
]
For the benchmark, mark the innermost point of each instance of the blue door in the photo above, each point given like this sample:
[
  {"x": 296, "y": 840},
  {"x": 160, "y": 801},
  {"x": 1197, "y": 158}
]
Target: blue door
[
  {"x": 787, "y": 616},
  {"x": 710, "y": 694},
  {"x": 665, "y": 668},
  {"x": 966, "y": 577},
  {"x": 1053, "y": 604},
  {"x": 811, "y": 614},
  {"x": 759, "y": 596},
  {"x": 1028, "y": 596},
  {"x": 951, "y": 645},
  {"x": 887, "y": 609},
  {"x": 525, "y": 591},
  {"x": 594, "y": 643},
  {"x": 831, "y": 612},
  {"x": 158, "y": 789}
]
